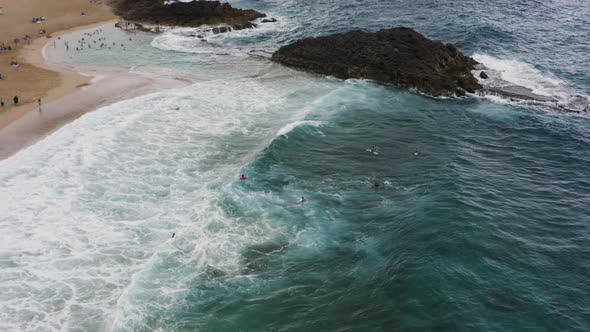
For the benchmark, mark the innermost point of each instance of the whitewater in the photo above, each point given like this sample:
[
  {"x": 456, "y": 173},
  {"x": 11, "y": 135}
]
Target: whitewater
[{"x": 133, "y": 217}]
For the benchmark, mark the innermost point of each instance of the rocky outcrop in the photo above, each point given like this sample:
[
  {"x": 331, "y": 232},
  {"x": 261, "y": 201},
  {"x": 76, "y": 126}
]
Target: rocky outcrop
[
  {"x": 400, "y": 56},
  {"x": 483, "y": 75},
  {"x": 193, "y": 13}
]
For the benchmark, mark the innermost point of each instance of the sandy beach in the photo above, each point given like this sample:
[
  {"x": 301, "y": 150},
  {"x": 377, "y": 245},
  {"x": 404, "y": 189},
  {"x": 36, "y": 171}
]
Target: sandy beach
[
  {"x": 65, "y": 93},
  {"x": 34, "y": 78},
  {"x": 83, "y": 89},
  {"x": 106, "y": 88}
]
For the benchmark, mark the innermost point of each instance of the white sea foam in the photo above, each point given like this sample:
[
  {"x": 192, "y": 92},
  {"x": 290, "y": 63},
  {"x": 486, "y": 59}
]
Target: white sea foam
[
  {"x": 87, "y": 213},
  {"x": 228, "y": 43},
  {"x": 507, "y": 72},
  {"x": 524, "y": 74}
]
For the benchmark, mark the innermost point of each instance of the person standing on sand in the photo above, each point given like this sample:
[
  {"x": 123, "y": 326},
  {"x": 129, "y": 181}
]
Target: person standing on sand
[
  {"x": 2, "y": 102},
  {"x": 39, "y": 102},
  {"x": 15, "y": 99}
]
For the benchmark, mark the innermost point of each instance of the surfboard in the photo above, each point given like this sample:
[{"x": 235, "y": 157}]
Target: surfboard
[{"x": 373, "y": 152}]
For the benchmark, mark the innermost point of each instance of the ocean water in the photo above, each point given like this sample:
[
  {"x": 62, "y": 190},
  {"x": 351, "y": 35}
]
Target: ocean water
[{"x": 487, "y": 228}]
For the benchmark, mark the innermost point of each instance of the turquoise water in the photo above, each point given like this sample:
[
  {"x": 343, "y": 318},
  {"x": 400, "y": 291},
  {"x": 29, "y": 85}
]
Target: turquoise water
[{"x": 487, "y": 228}]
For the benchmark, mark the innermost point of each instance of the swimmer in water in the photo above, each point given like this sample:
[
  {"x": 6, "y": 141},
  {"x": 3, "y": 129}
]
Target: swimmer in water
[
  {"x": 303, "y": 200},
  {"x": 373, "y": 149},
  {"x": 416, "y": 152},
  {"x": 376, "y": 185},
  {"x": 173, "y": 234},
  {"x": 243, "y": 177}
]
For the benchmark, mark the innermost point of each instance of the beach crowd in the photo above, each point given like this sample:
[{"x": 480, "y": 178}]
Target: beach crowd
[{"x": 10, "y": 62}]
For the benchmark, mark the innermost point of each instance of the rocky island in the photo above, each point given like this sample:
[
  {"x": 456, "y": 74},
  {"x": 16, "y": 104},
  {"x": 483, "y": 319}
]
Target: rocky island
[
  {"x": 193, "y": 14},
  {"x": 400, "y": 56}
]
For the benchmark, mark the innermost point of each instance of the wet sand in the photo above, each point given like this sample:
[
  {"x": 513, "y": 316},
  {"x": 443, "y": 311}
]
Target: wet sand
[{"x": 105, "y": 88}]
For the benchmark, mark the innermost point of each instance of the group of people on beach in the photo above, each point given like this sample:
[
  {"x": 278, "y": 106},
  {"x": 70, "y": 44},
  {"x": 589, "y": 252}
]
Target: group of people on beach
[
  {"x": 38, "y": 20},
  {"x": 13, "y": 63},
  {"x": 5, "y": 48},
  {"x": 16, "y": 41},
  {"x": 15, "y": 100}
]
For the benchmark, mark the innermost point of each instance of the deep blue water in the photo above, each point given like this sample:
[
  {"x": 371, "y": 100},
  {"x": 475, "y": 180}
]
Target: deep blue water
[{"x": 486, "y": 229}]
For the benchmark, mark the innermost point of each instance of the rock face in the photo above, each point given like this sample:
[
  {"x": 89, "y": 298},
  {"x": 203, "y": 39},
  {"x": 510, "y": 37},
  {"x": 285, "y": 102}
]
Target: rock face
[
  {"x": 400, "y": 56},
  {"x": 193, "y": 13}
]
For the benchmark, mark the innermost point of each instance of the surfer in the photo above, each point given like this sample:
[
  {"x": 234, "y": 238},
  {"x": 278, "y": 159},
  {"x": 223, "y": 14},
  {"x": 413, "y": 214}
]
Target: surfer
[
  {"x": 243, "y": 177},
  {"x": 416, "y": 152},
  {"x": 373, "y": 149},
  {"x": 173, "y": 234},
  {"x": 303, "y": 200}
]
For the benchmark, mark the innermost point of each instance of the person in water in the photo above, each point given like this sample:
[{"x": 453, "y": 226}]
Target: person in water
[
  {"x": 373, "y": 149},
  {"x": 416, "y": 152},
  {"x": 303, "y": 200},
  {"x": 243, "y": 177},
  {"x": 376, "y": 185}
]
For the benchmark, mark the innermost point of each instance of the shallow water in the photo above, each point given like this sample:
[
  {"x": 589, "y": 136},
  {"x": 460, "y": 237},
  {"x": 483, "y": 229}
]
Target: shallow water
[{"x": 487, "y": 228}]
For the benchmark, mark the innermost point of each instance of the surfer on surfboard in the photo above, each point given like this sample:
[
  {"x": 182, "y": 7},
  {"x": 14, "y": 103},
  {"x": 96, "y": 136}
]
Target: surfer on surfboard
[{"x": 373, "y": 150}]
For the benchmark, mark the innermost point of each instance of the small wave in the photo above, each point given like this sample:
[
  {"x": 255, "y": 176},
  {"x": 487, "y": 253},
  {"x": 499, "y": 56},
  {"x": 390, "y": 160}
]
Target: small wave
[{"x": 288, "y": 128}]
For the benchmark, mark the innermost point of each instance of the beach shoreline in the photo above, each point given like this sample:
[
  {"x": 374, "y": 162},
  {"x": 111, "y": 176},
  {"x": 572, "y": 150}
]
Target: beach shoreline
[
  {"x": 82, "y": 90},
  {"x": 25, "y": 27},
  {"x": 69, "y": 80}
]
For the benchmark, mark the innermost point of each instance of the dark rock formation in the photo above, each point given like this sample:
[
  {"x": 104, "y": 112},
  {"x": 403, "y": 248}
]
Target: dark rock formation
[
  {"x": 193, "y": 13},
  {"x": 400, "y": 56},
  {"x": 269, "y": 20},
  {"x": 483, "y": 75}
]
